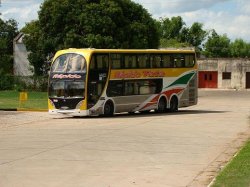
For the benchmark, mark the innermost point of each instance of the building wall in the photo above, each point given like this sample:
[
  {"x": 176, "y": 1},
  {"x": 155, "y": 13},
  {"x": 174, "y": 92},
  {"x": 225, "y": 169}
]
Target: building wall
[
  {"x": 231, "y": 72},
  {"x": 21, "y": 66}
]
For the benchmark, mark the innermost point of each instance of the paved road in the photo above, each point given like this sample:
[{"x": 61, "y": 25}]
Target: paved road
[{"x": 154, "y": 150}]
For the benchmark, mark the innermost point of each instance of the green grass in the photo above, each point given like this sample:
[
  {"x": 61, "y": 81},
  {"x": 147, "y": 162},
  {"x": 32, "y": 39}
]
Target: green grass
[
  {"x": 10, "y": 100},
  {"x": 237, "y": 172}
]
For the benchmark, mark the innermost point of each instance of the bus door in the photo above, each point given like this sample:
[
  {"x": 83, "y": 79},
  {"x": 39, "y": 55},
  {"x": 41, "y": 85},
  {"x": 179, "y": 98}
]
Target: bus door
[{"x": 97, "y": 77}]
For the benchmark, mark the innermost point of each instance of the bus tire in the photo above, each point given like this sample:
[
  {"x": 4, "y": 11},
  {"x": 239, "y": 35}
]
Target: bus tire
[
  {"x": 162, "y": 105},
  {"x": 173, "y": 104},
  {"x": 108, "y": 109}
]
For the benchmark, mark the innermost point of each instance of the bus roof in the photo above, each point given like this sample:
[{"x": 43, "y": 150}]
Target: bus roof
[{"x": 162, "y": 50}]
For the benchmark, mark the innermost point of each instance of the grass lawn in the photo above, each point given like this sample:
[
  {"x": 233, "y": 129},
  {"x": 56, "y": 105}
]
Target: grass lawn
[
  {"x": 237, "y": 172},
  {"x": 10, "y": 100}
]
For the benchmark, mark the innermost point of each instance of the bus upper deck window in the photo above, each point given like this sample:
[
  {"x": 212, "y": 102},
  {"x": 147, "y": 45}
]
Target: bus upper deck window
[
  {"x": 76, "y": 64},
  {"x": 69, "y": 63},
  {"x": 189, "y": 61},
  {"x": 59, "y": 64}
]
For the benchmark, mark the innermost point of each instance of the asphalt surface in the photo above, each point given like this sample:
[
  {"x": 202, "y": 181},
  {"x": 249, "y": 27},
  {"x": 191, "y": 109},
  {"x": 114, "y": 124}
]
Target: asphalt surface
[{"x": 187, "y": 148}]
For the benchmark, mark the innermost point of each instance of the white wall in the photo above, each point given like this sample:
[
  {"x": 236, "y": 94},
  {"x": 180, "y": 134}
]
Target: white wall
[{"x": 21, "y": 64}]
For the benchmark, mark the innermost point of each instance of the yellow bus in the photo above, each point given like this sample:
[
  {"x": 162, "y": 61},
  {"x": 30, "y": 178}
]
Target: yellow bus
[{"x": 85, "y": 82}]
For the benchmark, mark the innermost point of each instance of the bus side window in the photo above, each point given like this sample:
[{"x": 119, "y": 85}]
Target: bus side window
[
  {"x": 179, "y": 61},
  {"x": 143, "y": 61},
  {"x": 116, "y": 61},
  {"x": 189, "y": 60},
  {"x": 156, "y": 61},
  {"x": 130, "y": 61},
  {"x": 166, "y": 61},
  {"x": 102, "y": 61},
  {"x": 133, "y": 61},
  {"x": 92, "y": 63},
  {"x": 127, "y": 61},
  {"x": 115, "y": 88},
  {"x": 129, "y": 88}
]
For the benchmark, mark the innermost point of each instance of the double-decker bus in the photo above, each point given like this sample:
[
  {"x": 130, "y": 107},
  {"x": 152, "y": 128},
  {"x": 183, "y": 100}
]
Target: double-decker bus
[{"x": 85, "y": 82}]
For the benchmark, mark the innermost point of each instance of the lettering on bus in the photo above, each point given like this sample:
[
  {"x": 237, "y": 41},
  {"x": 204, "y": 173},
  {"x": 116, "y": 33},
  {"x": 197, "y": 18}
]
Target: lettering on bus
[
  {"x": 69, "y": 76},
  {"x": 138, "y": 74},
  {"x": 131, "y": 74},
  {"x": 153, "y": 73}
]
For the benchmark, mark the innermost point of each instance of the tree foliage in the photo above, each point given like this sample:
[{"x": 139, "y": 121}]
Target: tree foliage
[
  {"x": 174, "y": 32},
  {"x": 85, "y": 23},
  {"x": 171, "y": 28},
  {"x": 8, "y": 31},
  {"x": 240, "y": 48},
  {"x": 217, "y": 45}
]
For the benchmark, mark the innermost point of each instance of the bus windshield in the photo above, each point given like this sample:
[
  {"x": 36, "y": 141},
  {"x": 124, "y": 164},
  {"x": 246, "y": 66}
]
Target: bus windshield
[
  {"x": 69, "y": 63},
  {"x": 62, "y": 88}
]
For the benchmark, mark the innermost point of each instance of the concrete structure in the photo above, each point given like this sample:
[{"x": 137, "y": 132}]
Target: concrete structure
[
  {"x": 224, "y": 73},
  {"x": 21, "y": 66}
]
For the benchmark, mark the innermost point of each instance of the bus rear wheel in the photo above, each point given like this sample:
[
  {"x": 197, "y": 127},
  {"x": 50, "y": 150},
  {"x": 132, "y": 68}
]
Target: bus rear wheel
[
  {"x": 173, "y": 104},
  {"x": 162, "y": 105},
  {"x": 108, "y": 109}
]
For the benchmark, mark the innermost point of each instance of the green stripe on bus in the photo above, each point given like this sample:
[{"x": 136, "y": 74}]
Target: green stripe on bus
[{"x": 182, "y": 80}]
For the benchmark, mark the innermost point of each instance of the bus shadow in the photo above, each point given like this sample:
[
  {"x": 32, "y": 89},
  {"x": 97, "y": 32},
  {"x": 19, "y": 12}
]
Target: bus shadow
[
  {"x": 180, "y": 112},
  {"x": 150, "y": 114}
]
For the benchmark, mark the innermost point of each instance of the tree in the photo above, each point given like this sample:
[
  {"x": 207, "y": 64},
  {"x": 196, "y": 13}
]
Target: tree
[
  {"x": 171, "y": 28},
  {"x": 175, "y": 33},
  {"x": 35, "y": 44},
  {"x": 85, "y": 23},
  {"x": 8, "y": 31},
  {"x": 194, "y": 35},
  {"x": 217, "y": 45},
  {"x": 239, "y": 48}
]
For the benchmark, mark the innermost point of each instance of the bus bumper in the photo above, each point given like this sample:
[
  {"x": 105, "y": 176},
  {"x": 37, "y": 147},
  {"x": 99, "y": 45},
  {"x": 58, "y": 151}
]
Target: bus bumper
[{"x": 74, "y": 112}]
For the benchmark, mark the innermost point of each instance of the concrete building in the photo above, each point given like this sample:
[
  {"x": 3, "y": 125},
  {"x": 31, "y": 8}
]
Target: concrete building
[
  {"x": 21, "y": 66},
  {"x": 224, "y": 73}
]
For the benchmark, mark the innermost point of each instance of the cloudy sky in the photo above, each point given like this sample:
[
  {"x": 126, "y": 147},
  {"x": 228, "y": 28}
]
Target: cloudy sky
[{"x": 225, "y": 16}]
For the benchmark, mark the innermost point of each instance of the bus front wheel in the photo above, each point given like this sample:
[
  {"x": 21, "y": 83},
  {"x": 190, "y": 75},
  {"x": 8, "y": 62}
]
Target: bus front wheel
[{"x": 108, "y": 109}]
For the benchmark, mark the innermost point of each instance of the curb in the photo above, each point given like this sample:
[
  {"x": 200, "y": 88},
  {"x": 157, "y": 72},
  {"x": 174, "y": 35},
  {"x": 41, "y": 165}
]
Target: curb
[
  {"x": 31, "y": 110},
  {"x": 8, "y": 109},
  {"x": 24, "y": 110}
]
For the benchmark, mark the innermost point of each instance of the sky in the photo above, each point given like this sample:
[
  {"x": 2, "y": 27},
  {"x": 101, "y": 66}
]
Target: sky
[{"x": 231, "y": 17}]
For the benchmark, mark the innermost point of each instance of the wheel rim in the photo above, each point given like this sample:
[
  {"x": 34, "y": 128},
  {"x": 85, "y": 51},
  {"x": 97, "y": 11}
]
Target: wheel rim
[{"x": 108, "y": 109}]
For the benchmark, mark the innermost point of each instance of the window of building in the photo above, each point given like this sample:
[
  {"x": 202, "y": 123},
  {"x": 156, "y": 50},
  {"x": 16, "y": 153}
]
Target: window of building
[
  {"x": 205, "y": 77},
  {"x": 226, "y": 75},
  {"x": 210, "y": 77}
]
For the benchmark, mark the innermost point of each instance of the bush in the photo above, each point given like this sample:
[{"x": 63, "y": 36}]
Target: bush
[{"x": 23, "y": 83}]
